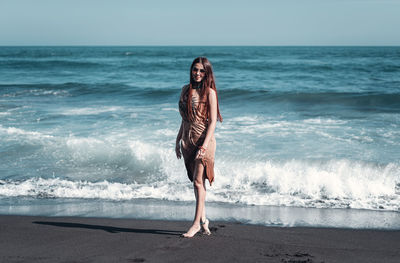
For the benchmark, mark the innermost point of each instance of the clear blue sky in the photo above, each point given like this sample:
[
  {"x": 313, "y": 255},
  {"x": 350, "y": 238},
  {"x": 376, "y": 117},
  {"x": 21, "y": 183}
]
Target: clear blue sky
[{"x": 201, "y": 22}]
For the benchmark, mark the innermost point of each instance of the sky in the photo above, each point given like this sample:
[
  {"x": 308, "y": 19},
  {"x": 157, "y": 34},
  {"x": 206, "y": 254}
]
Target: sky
[{"x": 201, "y": 22}]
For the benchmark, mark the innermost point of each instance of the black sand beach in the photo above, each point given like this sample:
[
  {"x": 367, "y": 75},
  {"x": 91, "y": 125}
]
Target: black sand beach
[{"x": 75, "y": 239}]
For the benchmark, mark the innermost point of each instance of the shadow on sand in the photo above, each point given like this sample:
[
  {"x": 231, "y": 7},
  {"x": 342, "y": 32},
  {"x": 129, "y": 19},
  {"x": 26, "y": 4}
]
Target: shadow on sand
[{"x": 110, "y": 229}]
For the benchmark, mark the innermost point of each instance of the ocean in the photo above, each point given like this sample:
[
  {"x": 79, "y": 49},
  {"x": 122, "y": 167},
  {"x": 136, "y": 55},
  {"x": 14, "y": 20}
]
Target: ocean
[{"x": 310, "y": 137}]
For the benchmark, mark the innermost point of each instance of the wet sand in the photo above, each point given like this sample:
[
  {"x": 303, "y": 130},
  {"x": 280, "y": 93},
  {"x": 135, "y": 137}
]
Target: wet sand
[{"x": 76, "y": 239}]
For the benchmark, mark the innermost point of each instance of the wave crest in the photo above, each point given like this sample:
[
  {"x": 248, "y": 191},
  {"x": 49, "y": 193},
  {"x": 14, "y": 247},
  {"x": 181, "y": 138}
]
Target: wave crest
[{"x": 333, "y": 184}]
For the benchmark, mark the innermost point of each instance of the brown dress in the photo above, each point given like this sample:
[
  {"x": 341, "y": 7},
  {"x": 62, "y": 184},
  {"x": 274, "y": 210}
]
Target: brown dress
[{"x": 193, "y": 135}]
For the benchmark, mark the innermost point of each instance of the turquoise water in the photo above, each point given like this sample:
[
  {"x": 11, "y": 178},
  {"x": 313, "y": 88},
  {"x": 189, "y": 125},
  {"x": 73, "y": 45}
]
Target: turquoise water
[{"x": 304, "y": 127}]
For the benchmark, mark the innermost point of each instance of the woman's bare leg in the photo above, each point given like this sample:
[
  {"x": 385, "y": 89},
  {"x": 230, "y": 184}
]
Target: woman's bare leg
[
  {"x": 200, "y": 194},
  {"x": 204, "y": 221},
  {"x": 203, "y": 215}
]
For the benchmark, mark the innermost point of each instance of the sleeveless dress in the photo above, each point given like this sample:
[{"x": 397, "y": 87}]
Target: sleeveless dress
[{"x": 193, "y": 135}]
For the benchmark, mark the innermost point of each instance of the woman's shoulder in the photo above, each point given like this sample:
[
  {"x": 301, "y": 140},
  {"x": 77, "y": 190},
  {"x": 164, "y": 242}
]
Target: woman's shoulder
[{"x": 211, "y": 93}]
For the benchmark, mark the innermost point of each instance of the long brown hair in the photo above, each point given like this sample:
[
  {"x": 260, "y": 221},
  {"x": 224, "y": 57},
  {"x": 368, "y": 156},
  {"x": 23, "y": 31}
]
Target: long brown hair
[{"x": 207, "y": 83}]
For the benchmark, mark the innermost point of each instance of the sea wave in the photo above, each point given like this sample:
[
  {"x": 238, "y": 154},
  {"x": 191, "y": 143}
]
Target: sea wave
[
  {"x": 384, "y": 101},
  {"x": 91, "y": 110},
  {"x": 119, "y": 166},
  {"x": 122, "y": 156},
  {"x": 27, "y": 90},
  {"x": 47, "y": 64},
  {"x": 364, "y": 101},
  {"x": 333, "y": 184},
  {"x": 20, "y": 133},
  {"x": 77, "y": 89},
  {"x": 321, "y": 184}
]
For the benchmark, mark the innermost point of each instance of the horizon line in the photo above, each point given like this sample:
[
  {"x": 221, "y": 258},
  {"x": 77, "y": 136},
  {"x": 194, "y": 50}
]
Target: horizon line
[{"x": 229, "y": 45}]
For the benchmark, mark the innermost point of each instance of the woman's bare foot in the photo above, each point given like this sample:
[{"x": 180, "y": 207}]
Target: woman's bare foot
[
  {"x": 204, "y": 226},
  {"x": 192, "y": 231}
]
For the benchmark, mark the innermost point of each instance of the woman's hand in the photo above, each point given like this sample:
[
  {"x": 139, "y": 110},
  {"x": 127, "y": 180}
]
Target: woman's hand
[
  {"x": 200, "y": 153},
  {"x": 178, "y": 150}
]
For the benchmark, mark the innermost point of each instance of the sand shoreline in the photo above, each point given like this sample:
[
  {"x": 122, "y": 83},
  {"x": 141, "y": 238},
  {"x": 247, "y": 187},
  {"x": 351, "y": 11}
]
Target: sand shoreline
[{"x": 77, "y": 239}]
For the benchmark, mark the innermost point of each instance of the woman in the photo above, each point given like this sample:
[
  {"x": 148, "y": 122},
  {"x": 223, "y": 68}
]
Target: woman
[{"x": 198, "y": 106}]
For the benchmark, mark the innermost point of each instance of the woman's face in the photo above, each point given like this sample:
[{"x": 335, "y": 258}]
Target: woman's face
[{"x": 198, "y": 72}]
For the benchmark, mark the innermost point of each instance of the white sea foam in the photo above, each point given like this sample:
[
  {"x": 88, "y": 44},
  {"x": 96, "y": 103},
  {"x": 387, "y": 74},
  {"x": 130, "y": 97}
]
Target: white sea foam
[
  {"x": 23, "y": 133},
  {"x": 325, "y": 121},
  {"x": 338, "y": 183},
  {"x": 333, "y": 184},
  {"x": 142, "y": 151},
  {"x": 166, "y": 132},
  {"x": 60, "y": 188},
  {"x": 244, "y": 120},
  {"x": 119, "y": 166},
  {"x": 38, "y": 92},
  {"x": 91, "y": 110}
]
